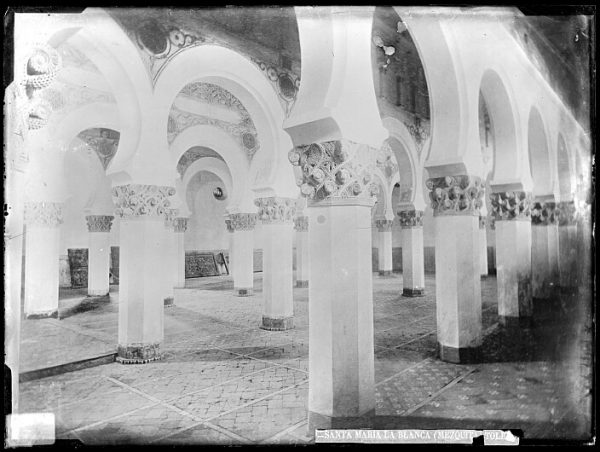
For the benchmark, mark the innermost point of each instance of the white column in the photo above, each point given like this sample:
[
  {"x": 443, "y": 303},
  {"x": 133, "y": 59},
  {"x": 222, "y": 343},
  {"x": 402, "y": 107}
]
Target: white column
[
  {"x": 179, "y": 228},
  {"x": 413, "y": 261},
  {"x": 341, "y": 349},
  {"x": 567, "y": 236},
  {"x": 42, "y": 245},
  {"x": 456, "y": 202},
  {"x": 277, "y": 217},
  {"x": 553, "y": 250},
  {"x": 98, "y": 254},
  {"x": 512, "y": 217},
  {"x": 142, "y": 270},
  {"x": 170, "y": 259},
  {"x": 483, "y": 258},
  {"x": 242, "y": 253},
  {"x": 384, "y": 227},
  {"x": 540, "y": 251},
  {"x": 302, "y": 251}
]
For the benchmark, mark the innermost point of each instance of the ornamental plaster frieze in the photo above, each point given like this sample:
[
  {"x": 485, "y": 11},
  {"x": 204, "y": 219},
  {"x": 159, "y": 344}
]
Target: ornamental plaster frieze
[
  {"x": 567, "y": 213},
  {"x": 241, "y": 221},
  {"x": 411, "y": 218},
  {"x": 456, "y": 195},
  {"x": 335, "y": 169},
  {"x": 99, "y": 223},
  {"x": 180, "y": 224},
  {"x": 142, "y": 200},
  {"x": 511, "y": 205},
  {"x": 384, "y": 225},
  {"x": 43, "y": 214},
  {"x": 386, "y": 162},
  {"x": 276, "y": 210},
  {"x": 544, "y": 213},
  {"x": 244, "y": 132},
  {"x": 285, "y": 83},
  {"x": 301, "y": 223},
  {"x": 65, "y": 97},
  {"x": 169, "y": 216}
]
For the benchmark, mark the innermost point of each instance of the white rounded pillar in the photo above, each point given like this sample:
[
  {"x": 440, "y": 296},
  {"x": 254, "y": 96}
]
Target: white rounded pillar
[
  {"x": 142, "y": 270},
  {"x": 42, "y": 244},
  {"x": 483, "y": 259},
  {"x": 179, "y": 228},
  {"x": 384, "y": 228},
  {"x": 302, "y": 251},
  {"x": 542, "y": 249},
  {"x": 456, "y": 201},
  {"x": 413, "y": 261},
  {"x": 277, "y": 217},
  {"x": 242, "y": 253},
  {"x": 99, "y": 254},
  {"x": 512, "y": 219}
]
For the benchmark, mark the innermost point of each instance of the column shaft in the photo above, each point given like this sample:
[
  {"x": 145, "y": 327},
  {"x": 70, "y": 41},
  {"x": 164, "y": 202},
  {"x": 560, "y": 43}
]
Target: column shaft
[
  {"x": 385, "y": 246},
  {"x": 340, "y": 311},
  {"x": 42, "y": 259},
  {"x": 242, "y": 253},
  {"x": 302, "y": 251},
  {"x": 277, "y": 216},
  {"x": 413, "y": 261},
  {"x": 483, "y": 247},
  {"x": 456, "y": 201},
  {"x": 142, "y": 270},
  {"x": 98, "y": 254},
  {"x": 179, "y": 228}
]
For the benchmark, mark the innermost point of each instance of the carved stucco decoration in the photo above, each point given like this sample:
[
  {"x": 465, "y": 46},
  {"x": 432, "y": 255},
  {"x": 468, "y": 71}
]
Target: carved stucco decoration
[
  {"x": 387, "y": 162},
  {"x": 180, "y": 224},
  {"x": 243, "y": 131},
  {"x": 419, "y": 133},
  {"x": 456, "y": 195},
  {"x": 301, "y": 223},
  {"x": 160, "y": 43},
  {"x": 285, "y": 83},
  {"x": 544, "y": 213},
  {"x": 335, "y": 169},
  {"x": 411, "y": 218},
  {"x": 384, "y": 225},
  {"x": 512, "y": 205},
  {"x": 242, "y": 221},
  {"x": 99, "y": 223},
  {"x": 276, "y": 210},
  {"x": 43, "y": 214},
  {"x": 104, "y": 142},
  {"x": 482, "y": 221},
  {"x": 567, "y": 213},
  {"x": 140, "y": 200}
]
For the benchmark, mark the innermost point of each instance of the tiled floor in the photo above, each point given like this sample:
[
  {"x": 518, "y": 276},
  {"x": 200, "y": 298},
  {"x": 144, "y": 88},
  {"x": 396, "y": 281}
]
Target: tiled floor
[{"x": 225, "y": 381}]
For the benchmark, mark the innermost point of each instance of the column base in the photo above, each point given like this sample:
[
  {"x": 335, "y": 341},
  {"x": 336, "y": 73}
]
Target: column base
[
  {"x": 42, "y": 315},
  {"x": 385, "y": 273},
  {"x": 317, "y": 421},
  {"x": 413, "y": 292},
  {"x": 462, "y": 355},
  {"x": 179, "y": 286},
  {"x": 511, "y": 322},
  {"x": 169, "y": 301},
  {"x": 243, "y": 292},
  {"x": 138, "y": 354},
  {"x": 97, "y": 293},
  {"x": 300, "y": 283},
  {"x": 484, "y": 276},
  {"x": 286, "y": 323}
]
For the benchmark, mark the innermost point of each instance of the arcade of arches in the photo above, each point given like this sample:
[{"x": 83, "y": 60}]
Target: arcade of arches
[{"x": 309, "y": 209}]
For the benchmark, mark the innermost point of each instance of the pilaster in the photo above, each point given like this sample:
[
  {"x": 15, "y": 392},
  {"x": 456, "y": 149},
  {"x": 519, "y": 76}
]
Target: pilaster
[
  {"x": 242, "y": 252},
  {"x": 99, "y": 254},
  {"x": 413, "y": 260}
]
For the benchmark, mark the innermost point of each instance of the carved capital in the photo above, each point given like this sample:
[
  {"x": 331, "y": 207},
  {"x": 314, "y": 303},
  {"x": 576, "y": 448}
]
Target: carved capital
[
  {"x": 142, "y": 200},
  {"x": 99, "y": 223},
  {"x": 456, "y": 195},
  {"x": 43, "y": 214},
  {"x": 242, "y": 221},
  {"x": 411, "y": 218},
  {"x": 492, "y": 222},
  {"x": 301, "y": 223},
  {"x": 567, "y": 214},
  {"x": 544, "y": 213},
  {"x": 335, "y": 169},
  {"x": 511, "y": 205},
  {"x": 383, "y": 225},
  {"x": 276, "y": 210},
  {"x": 180, "y": 224}
]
